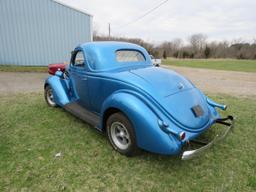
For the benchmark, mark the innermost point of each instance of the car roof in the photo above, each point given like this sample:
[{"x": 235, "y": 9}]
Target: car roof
[
  {"x": 110, "y": 44},
  {"x": 101, "y": 55}
]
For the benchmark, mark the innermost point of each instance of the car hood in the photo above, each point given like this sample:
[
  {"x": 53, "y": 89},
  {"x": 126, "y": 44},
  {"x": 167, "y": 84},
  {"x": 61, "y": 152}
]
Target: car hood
[{"x": 177, "y": 95}]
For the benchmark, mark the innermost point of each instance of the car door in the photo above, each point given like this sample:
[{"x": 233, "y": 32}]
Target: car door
[{"x": 78, "y": 75}]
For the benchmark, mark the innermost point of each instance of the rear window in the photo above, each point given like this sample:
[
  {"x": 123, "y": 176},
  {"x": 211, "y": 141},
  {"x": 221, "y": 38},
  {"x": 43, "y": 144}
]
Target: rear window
[{"x": 129, "y": 56}]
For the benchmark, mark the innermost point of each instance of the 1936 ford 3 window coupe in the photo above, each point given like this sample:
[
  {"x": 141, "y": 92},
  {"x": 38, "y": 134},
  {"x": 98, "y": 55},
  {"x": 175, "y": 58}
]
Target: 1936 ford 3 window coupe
[{"x": 114, "y": 87}]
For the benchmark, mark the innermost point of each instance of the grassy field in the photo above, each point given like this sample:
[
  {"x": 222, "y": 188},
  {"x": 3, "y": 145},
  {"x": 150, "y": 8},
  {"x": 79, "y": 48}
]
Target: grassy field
[
  {"x": 31, "y": 134},
  {"x": 220, "y": 64},
  {"x": 15, "y": 68}
]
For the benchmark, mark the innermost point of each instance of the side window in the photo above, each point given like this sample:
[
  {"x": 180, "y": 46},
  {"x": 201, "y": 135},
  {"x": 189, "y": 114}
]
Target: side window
[{"x": 79, "y": 59}]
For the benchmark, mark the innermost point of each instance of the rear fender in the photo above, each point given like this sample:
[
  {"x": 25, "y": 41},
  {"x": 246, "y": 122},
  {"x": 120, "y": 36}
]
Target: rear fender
[
  {"x": 149, "y": 135},
  {"x": 60, "y": 88}
]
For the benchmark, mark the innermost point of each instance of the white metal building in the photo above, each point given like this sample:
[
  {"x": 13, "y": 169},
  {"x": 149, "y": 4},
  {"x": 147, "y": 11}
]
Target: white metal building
[{"x": 39, "y": 32}]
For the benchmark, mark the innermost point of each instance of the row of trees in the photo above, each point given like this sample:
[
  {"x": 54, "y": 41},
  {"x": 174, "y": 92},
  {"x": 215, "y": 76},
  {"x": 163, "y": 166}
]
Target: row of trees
[{"x": 197, "y": 47}]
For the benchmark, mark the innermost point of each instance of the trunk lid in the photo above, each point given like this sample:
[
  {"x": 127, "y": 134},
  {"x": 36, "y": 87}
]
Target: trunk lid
[
  {"x": 188, "y": 108},
  {"x": 177, "y": 95}
]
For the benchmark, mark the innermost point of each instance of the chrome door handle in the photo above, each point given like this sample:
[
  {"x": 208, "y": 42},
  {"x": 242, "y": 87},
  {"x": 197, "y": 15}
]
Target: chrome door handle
[{"x": 85, "y": 78}]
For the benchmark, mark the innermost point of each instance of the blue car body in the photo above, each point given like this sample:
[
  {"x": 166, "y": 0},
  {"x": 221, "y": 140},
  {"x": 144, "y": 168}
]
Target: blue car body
[{"x": 159, "y": 102}]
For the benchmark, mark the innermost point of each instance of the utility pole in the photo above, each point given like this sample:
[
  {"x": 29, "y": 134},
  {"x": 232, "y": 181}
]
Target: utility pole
[{"x": 109, "y": 31}]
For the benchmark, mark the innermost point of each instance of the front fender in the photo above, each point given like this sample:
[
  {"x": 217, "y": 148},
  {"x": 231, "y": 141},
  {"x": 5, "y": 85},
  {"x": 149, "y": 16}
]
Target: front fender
[
  {"x": 60, "y": 89},
  {"x": 149, "y": 135}
]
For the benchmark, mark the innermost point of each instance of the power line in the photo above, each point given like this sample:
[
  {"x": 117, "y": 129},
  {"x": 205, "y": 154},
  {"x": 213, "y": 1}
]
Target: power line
[{"x": 145, "y": 14}]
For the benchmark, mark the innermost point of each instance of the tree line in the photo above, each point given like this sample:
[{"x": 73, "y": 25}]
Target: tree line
[{"x": 197, "y": 47}]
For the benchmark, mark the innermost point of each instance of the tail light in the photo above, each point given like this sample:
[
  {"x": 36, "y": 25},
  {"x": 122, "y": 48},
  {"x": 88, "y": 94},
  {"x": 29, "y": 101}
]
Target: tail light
[{"x": 182, "y": 135}]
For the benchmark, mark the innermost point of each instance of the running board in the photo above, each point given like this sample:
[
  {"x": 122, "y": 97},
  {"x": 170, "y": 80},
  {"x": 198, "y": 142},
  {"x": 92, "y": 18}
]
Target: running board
[{"x": 83, "y": 114}]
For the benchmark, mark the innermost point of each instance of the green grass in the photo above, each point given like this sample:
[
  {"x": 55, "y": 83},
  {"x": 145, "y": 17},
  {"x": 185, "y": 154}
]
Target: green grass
[
  {"x": 31, "y": 134},
  {"x": 15, "y": 68},
  {"x": 220, "y": 64}
]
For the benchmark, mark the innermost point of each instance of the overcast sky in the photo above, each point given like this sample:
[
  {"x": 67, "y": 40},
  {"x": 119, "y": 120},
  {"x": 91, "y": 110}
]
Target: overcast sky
[{"x": 218, "y": 19}]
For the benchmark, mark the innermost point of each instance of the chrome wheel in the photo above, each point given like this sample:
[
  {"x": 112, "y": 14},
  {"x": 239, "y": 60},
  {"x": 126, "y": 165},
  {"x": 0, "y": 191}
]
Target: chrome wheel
[
  {"x": 49, "y": 97},
  {"x": 120, "y": 135}
]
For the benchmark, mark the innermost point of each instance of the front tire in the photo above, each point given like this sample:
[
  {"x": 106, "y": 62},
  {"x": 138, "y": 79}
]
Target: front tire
[
  {"x": 121, "y": 134},
  {"x": 48, "y": 95}
]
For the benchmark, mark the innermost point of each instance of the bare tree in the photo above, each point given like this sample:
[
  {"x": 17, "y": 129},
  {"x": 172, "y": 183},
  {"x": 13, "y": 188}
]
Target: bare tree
[
  {"x": 198, "y": 41},
  {"x": 177, "y": 43},
  {"x": 170, "y": 47}
]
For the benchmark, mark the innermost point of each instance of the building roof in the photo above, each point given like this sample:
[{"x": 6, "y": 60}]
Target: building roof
[{"x": 72, "y": 7}]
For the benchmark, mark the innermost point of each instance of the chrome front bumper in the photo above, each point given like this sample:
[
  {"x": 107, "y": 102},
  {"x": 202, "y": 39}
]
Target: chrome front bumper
[{"x": 228, "y": 122}]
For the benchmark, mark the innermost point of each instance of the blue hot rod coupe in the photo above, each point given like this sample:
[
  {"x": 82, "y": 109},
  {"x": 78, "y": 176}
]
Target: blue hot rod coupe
[{"x": 115, "y": 87}]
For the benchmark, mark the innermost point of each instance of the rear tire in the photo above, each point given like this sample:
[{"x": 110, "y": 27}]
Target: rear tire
[
  {"x": 121, "y": 134},
  {"x": 48, "y": 95}
]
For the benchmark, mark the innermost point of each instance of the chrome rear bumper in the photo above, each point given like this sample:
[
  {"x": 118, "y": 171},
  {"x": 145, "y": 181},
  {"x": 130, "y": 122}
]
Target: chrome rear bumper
[{"x": 228, "y": 122}]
